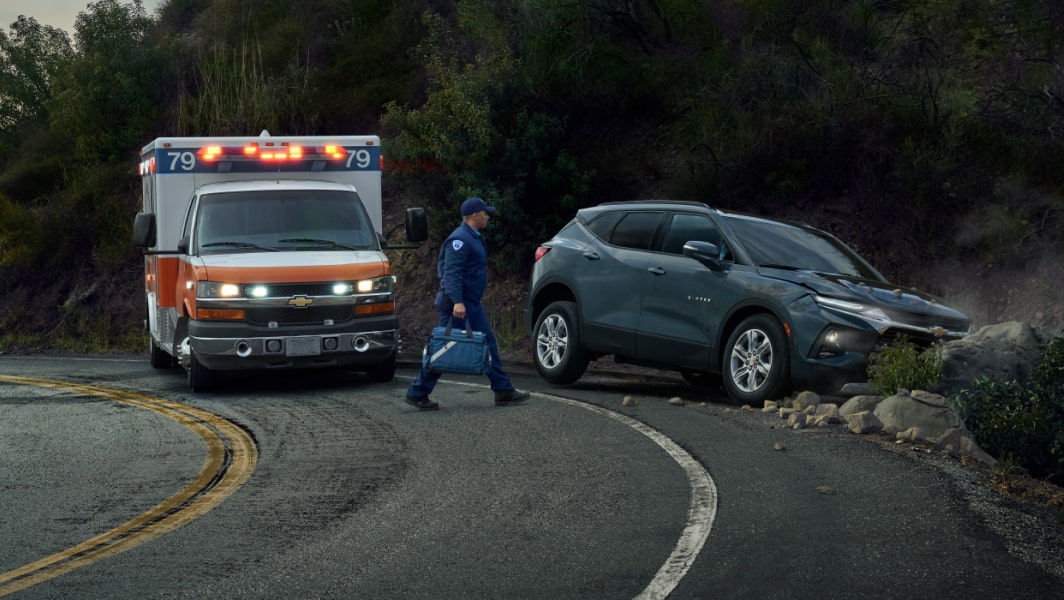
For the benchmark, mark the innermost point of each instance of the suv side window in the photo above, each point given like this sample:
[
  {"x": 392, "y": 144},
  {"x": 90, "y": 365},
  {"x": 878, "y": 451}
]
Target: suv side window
[
  {"x": 685, "y": 228},
  {"x": 636, "y": 230}
]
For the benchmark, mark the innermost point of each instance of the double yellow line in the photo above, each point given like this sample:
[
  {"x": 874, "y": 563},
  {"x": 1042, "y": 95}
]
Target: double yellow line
[{"x": 231, "y": 458}]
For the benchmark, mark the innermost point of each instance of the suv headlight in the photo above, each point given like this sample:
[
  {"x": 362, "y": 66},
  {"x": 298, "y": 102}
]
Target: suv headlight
[{"x": 865, "y": 311}]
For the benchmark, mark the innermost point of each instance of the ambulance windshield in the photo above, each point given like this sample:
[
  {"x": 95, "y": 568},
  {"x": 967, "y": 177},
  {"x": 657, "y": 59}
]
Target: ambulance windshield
[{"x": 274, "y": 220}]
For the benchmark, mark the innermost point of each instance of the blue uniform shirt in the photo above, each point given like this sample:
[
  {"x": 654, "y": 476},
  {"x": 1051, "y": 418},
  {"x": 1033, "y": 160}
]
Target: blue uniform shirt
[{"x": 463, "y": 266}]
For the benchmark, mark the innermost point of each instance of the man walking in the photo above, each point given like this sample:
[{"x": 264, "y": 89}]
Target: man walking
[{"x": 463, "y": 269}]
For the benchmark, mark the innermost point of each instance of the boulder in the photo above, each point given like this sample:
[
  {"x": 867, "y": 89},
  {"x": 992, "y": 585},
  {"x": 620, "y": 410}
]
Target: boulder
[
  {"x": 859, "y": 404},
  {"x": 923, "y": 410},
  {"x": 1005, "y": 351}
]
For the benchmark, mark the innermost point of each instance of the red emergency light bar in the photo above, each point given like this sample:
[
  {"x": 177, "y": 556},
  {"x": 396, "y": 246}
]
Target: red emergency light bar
[{"x": 269, "y": 152}]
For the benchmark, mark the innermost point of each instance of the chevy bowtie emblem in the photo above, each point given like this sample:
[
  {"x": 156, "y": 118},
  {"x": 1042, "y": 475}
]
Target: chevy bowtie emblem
[{"x": 300, "y": 301}]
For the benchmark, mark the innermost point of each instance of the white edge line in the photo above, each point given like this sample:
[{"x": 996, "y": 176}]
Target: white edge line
[{"x": 700, "y": 512}]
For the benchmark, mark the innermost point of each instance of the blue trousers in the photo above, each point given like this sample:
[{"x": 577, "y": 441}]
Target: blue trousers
[{"x": 478, "y": 321}]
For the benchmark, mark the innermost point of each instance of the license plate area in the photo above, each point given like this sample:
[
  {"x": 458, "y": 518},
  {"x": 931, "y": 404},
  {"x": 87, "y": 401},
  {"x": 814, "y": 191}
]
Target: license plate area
[{"x": 309, "y": 345}]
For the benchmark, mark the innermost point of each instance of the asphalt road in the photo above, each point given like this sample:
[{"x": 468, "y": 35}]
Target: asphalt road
[{"x": 116, "y": 482}]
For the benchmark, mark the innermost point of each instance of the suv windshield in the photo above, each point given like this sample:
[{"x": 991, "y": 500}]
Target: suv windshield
[
  {"x": 284, "y": 220},
  {"x": 785, "y": 246}
]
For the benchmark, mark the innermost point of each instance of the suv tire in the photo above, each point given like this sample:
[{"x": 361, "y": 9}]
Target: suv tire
[
  {"x": 756, "y": 361},
  {"x": 557, "y": 353}
]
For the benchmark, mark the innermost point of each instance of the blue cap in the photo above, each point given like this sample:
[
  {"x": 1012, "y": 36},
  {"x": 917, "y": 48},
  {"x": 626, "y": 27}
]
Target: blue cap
[{"x": 475, "y": 205}]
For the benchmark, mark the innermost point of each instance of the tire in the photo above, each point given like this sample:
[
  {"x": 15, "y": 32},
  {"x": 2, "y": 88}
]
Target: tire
[
  {"x": 159, "y": 358},
  {"x": 702, "y": 379},
  {"x": 557, "y": 353},
  {"x": 200, "y": 378},
  {"x": 382, "y": 372},
  {"x": 756, "y": 362}
]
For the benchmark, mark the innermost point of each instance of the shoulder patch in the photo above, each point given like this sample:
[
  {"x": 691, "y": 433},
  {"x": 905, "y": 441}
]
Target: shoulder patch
[{"x": 456, "y": 244}]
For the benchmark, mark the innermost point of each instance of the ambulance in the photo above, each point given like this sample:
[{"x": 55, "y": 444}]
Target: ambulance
[{"x": 268, "y": 253}]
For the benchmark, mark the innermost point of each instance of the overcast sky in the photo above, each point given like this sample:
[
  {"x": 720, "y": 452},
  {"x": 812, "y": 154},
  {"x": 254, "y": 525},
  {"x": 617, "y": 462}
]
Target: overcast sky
[{"x": 57, "y": 13}]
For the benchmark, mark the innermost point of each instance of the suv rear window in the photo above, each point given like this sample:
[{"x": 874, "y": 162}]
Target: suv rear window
[{"x": 636, "y": 230}]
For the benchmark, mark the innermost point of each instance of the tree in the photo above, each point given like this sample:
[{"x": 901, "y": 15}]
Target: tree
[
  {"x": 30, "y": 55},
  {"x": 105, "y": 97}
]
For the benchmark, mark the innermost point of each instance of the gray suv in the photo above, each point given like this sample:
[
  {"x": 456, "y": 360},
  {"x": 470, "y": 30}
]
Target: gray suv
[{"x": 761, "y": 305}]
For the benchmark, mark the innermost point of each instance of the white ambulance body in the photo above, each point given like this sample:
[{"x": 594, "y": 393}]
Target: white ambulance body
[{"x": 266, "y": 252}]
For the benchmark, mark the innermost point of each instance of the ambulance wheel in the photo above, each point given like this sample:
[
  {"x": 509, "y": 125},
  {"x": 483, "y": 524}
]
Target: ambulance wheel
[
  {"x": 159, "y": 358},
  {"x": 200, "y": 378},
  {"x": 382, "y": 372}
]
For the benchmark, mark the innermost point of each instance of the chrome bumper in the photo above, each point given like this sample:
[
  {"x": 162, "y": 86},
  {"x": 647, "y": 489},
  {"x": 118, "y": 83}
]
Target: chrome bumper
[{"x": 339, "y": 349}]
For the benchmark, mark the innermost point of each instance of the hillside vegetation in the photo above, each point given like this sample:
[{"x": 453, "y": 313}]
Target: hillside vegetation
[{"x": 925, "y": 133}]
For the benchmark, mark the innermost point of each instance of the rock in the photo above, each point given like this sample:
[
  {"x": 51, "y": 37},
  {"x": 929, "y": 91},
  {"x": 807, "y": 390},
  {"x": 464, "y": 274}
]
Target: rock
[
  {"x": 958, "y": 441},
  {"x": 796, "y": 420},
  {"x": 926, "y": 411},
  {"x": 912, "y": 434},
  {"x": 629, "y": 401},
  {"x": 806, "y": 399},
  {"x": 1005, "y": 351},
  {"x": 828, "y": 413},
  {"x": 856, "y": 389},
  {"x": 676, "y": 401},
  {"x": 770, "y": 406},
  {"x": 859, "y": 404},
  {"x": 863, "y": 422}
]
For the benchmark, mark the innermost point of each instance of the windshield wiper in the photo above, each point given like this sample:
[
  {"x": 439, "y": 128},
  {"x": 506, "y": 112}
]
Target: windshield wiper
[
  {"x": 247, "y": 245},
  {"x": 329, "y": 243}
]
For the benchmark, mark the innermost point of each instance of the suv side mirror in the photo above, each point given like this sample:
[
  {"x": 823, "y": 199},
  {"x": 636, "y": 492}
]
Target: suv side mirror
[
  {"x": 144, "y": 235},
  {"x": 417, "y": 225},
  {"x": 705, "y": 253}
]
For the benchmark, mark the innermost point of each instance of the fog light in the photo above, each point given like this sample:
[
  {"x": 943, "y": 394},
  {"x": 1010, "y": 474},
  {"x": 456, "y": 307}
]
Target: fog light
[
  {"x": 273, "y": 345},
  {"x": 830, "y": 344},
  {"x": 330, "y": 343}
]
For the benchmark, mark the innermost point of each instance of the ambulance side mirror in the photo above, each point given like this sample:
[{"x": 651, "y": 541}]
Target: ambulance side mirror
[
  {"x": 417, "y": 225},
  {"x": 144, "y": 235}
]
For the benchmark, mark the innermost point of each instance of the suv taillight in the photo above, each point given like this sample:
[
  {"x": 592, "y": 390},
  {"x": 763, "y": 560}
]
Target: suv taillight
[{"x": 541, "y": 252}]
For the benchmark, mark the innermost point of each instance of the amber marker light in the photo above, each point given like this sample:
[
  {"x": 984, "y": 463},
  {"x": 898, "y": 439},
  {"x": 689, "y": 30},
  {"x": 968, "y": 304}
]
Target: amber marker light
[
  {"x": 375, "y": 309},
  {"x": 220, "y": 314}
]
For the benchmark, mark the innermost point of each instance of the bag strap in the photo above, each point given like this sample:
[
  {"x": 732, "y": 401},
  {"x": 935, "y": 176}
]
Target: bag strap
[{"x": 450, "y": 323}]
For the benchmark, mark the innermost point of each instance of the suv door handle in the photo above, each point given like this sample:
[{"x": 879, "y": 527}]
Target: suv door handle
[
  {"x": 656, "y": 271},
  {"x": 590, "y": 255}
]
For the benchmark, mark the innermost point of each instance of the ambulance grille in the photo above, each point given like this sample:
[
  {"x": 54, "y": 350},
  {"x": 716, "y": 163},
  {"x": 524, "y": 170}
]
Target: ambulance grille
[
  {"x": 312, "y": 315},
  {"x": 278, "y": 290}
]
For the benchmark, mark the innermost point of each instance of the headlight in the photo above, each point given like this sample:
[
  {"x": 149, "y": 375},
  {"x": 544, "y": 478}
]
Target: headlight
[
  {"x": 865, "y": 311},
  {"x": 377, "y": 285},
  {"x": 216, "y": 289},
  {"x": 342, "y": 289}
]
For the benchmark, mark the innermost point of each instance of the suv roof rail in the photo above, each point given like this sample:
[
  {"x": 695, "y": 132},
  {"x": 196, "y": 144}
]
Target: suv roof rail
[{"x": 683, "y": 202}]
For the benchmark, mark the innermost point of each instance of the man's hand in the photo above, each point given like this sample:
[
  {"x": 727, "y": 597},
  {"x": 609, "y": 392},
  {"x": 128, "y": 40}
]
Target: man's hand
[{"x": 459, "y": 311}]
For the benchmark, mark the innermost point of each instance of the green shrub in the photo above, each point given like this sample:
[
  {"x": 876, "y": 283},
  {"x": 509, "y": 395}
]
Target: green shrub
[
  {"x": 1021, "y": 423},
  {"x": 903, "y": 364}
]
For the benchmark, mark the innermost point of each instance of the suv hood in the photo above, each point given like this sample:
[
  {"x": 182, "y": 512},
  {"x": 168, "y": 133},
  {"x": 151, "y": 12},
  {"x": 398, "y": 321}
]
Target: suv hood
[{"x": 891, "y": 298}]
